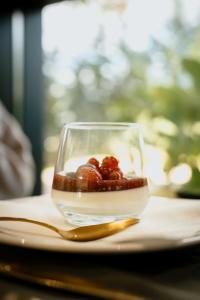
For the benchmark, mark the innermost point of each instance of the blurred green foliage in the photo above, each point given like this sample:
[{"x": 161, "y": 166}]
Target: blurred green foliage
[{"x": 169, "y": 111}]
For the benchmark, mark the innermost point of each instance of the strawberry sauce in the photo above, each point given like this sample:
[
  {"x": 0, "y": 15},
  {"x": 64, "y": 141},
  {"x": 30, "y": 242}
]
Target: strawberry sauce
[{"x": 93, "y": 177}]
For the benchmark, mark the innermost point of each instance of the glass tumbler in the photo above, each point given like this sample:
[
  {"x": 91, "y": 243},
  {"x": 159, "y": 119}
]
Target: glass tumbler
[{"x": 99, "y": 173}]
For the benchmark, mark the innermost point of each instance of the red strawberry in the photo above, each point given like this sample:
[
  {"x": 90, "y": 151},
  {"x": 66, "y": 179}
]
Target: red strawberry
[
  {"x": 87, "y": 178},
  {"x": 116, "y": 175},
  {"x": 110, "y": 162},
  {"x": 105, "y": 172},
  {"x": 93, "y": 161}
]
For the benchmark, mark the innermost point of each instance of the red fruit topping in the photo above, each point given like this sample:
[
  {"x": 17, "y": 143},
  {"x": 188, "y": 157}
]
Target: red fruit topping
[
  {"x": 113, "y": 185},
  {"x": 93, "y": 161},
  {"x": 110, "y": 162},
  {"x": 58, "y": 182},
  {"x": 121, "y": 184},
  {"x": 92, "y": 177},
  {"x": 105, "y": 172},
  {"x": 70, "y": 182},
  {"x": 116, "y": 175},
  {"x": 87, "y": 178}
]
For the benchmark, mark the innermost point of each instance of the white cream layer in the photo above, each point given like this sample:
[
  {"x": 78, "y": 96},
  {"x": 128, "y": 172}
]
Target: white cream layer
[{"x": 124, "y": 202}]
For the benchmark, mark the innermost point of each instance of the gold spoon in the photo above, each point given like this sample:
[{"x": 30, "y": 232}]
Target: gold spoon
[{"x": 84, "y": 233}]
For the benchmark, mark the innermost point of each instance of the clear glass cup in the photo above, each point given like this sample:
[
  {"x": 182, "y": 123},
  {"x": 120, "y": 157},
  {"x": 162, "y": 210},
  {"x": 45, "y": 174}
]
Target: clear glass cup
[{"x": 99, "y": 173}]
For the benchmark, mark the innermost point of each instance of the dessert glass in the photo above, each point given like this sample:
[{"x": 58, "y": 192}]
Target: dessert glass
[{"x": 99, "y": 173}]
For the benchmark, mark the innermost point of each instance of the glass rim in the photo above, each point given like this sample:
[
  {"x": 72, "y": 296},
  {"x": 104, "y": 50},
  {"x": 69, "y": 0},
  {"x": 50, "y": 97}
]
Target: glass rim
[{"x": 102, "y": 125}]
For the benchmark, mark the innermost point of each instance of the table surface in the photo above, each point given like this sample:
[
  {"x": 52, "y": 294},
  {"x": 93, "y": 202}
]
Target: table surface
[{"x": 157, "y": 275}]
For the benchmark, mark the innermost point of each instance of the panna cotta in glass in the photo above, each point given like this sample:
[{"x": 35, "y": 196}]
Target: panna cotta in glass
[
  {"x": 99, "y": 173},
  {"x": 99, "y": 192}
]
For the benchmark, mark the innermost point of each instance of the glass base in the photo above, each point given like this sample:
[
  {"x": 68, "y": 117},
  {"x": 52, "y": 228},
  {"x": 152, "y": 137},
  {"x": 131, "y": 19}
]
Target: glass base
[{"x": 79, "y": 219}]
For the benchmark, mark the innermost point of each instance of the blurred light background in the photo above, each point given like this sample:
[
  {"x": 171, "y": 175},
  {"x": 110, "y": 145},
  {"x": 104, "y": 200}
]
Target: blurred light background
[{"x": 131, "y": 61}]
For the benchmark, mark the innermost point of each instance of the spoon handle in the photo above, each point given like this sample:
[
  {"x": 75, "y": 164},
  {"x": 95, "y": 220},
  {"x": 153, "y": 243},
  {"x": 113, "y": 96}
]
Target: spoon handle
[
  {"x": 85, "y": 233},
  {"x": 99, "y": 231},
  {"x": 51, "y": 227}
]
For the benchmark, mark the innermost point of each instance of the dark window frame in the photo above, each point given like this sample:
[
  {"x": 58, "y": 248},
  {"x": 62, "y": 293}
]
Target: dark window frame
[{"x": 30, "y": 114}]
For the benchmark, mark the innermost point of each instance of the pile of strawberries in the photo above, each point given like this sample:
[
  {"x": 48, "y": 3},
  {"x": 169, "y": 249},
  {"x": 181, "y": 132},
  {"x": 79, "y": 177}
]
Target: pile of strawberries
[
  {"x": 108, "y": 170},
  {"x": 96, "y": 177},
  {"x": 90, "y": 174}
]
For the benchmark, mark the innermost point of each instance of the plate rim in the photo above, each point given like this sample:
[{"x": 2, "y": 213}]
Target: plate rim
[{"x": 106, "y": 248}]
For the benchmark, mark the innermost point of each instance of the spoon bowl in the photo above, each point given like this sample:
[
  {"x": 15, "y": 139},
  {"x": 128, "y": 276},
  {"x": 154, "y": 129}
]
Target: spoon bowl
[{"x": 84, "y": 233}]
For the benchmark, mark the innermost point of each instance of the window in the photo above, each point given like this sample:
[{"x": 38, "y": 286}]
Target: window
[
  {"x": 21, "y": 77},
  {"x": 124, "y": 60}
]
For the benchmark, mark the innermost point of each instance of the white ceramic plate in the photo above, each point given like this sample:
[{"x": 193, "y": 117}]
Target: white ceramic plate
[{"x": 165, "y": 224}]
